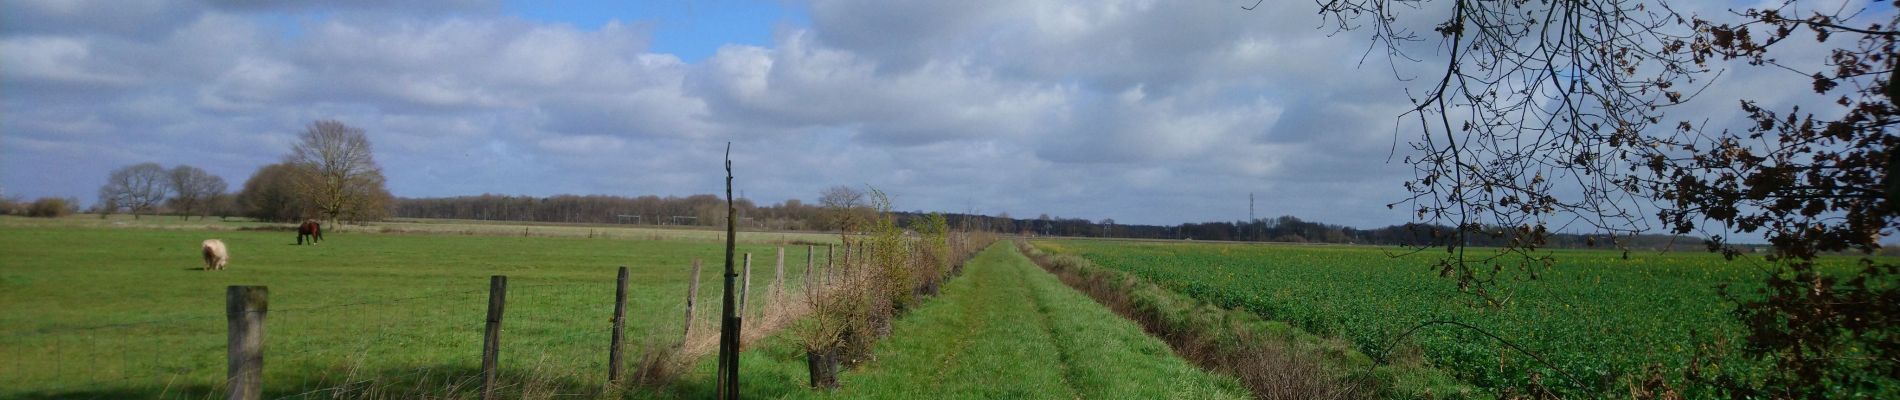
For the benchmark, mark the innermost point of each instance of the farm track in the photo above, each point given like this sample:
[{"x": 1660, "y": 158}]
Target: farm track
[
  {"x": 1005, "y": 329},
  {"x": 1027, "y": 336},
  {"x": 994, "y": 312}
]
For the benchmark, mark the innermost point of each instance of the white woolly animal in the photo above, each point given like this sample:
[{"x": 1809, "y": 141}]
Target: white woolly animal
[{"x": 215, "y": 255}]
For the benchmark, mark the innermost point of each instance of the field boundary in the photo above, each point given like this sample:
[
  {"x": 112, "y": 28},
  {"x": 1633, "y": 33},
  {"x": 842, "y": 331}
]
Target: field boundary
[{"x": 1272, "y": 359}]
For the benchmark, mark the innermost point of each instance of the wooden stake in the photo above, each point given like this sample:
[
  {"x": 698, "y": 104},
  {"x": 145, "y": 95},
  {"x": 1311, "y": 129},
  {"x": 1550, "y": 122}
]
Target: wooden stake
[
  {"x": 809, "y": 279},
  {"x": 778, "y": 278},
  {"x": 745, "y": 285},
  {"x": 491, "y": 338},
  {"x": 692, "y": 296},
  {"x": 244, "y": 308},
  {"x": 614, "y": 352},
  {"x": 730, "y": 321}
]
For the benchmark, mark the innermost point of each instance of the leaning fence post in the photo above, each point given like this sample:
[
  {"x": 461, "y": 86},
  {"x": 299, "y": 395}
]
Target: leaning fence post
[
  {"x": 809, "y": 280},
  {"x": 778, "y": 278},
  {"x": 620, "y": 326},
  {"x": 491, "y": 338},
  {"x": 692, "y": 296},
  {"x": 244, "y": 308},
  {"x": 745, "y": 285}
]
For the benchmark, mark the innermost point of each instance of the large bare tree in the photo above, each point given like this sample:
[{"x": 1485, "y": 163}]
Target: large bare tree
[
  {"x": 193, "y": 190},
  {"x": 1549, "y": 114},
  {"x": 139, "y": 188},
  {"x": 338, "y": 175},
  {"x": 845, "y": 207}
]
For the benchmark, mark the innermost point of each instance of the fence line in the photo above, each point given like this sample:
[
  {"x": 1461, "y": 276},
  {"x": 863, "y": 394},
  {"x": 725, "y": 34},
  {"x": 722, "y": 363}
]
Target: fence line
[{"x": 385, "y": 346}]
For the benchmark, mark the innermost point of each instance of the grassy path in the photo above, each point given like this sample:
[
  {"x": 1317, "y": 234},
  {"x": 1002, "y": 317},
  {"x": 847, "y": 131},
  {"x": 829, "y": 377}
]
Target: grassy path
[{"x": 1004, "y": 330}]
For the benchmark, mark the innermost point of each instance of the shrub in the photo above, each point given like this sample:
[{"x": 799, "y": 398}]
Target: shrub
[
  {"x": 52, "y": 207},
  {"x": 12, "y": 206}
]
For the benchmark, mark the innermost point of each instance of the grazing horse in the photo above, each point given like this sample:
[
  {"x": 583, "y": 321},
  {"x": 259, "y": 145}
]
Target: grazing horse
[
  {"x": 215, "y": 255},
  {"x": 310, "y": 229}
]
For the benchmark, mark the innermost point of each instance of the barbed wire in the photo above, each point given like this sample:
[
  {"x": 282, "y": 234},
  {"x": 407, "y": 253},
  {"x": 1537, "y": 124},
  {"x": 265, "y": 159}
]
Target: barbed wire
[
  {"x": 67, "y": 329},
  {"x": 376, "y": 302}
]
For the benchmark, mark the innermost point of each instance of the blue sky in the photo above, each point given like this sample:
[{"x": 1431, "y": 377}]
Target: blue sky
[
  {"x": 691, "y": 30},
  {"x": 1141, "y": 111}
]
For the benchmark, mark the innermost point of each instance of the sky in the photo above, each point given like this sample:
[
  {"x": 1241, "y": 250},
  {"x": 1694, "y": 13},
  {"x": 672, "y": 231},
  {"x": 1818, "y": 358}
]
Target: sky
[{"x": 1142, "y": 111}]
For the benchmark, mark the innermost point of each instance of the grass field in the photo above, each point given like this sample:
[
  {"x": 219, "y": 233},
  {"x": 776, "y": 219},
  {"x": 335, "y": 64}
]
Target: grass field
[
  {"x": 1595, "y": 316},
  {"x": 1005, "y": 329},
  {"x": 119, "y": 308},
  {"x": 435, "y": 227}
]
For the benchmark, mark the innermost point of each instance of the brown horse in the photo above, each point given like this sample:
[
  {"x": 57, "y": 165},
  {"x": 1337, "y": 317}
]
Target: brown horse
[{"x": 310, "y": 229}]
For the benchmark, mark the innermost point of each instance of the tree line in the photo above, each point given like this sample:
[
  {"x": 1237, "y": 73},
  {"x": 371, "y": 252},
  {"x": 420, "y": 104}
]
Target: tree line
[
  {"x": 838, "y": 204},
  {"x": 328, "y": 174},
  {"x": 146, "y": 188}
]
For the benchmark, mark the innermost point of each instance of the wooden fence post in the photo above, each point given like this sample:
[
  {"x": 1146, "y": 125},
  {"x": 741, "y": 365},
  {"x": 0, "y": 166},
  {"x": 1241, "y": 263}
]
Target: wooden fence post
[
  {"x": 778, "y": 278},
  {"x": 620, "y": 327},
  {"x": 809, "y": 279},
  {"x": 830, "y": 269},
  {"x": 745, "y": 285},
  {"x": 244, "y": 309},
  {"x": 491, "y": 338},
  {"x": 692, "y": 296}
]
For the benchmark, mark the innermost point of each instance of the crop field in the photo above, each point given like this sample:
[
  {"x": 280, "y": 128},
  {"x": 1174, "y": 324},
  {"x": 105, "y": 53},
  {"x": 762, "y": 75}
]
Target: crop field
[
  {"x": 1599, "y": 320},
  {"x": 118, "y": 308}
]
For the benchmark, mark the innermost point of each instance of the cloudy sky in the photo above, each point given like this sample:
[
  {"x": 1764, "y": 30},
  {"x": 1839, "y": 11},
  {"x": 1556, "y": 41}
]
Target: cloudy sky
[{"x": 1142, "y": 111}]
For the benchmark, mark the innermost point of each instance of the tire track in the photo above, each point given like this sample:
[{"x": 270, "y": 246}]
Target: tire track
[{"x": 1063, "y": 352}]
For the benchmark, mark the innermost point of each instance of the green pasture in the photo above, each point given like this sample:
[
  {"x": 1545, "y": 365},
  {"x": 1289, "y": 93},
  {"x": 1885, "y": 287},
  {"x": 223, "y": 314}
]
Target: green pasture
[
  {"x": 432, "y": 227},
  {"x": 120, "y": 308}
]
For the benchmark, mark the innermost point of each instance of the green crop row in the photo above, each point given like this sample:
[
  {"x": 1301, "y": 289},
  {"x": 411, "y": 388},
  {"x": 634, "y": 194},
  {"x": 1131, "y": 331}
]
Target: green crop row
[{"x": 1600, "y": 323}]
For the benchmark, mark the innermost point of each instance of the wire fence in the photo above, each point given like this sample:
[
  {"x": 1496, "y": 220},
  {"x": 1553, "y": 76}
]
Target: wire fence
[{"x": 556, "y": 336}]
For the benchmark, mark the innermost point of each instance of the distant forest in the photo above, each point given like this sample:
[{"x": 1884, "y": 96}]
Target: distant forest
[{"x": 796, "y": 215}]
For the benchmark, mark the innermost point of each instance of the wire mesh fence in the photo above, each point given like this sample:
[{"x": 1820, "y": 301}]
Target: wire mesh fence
[
  {"x": 424, "y": 342},
  {"x": 105, "y": 361}
]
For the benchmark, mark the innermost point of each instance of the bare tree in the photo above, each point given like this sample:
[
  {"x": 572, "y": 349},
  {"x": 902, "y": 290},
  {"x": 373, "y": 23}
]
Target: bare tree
[
  {"x": 1552, "y": 113},
  {"x": 844, "y": 207},
  {"x": 139, "y": 188},
  {"x": 194, "y": 190},
  {"x": 338, "y": 175},
  {"x": 841, "y": 197}
]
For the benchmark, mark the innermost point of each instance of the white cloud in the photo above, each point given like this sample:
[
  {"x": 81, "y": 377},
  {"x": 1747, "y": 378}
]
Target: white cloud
[
  {"x": 803, "y": 83},
  {"x": 1138, "y": 110},
  {"x": 57, "y": 60}
]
